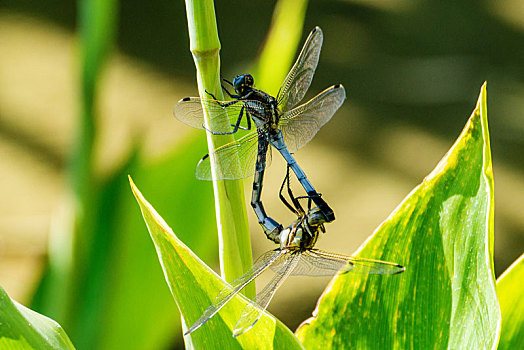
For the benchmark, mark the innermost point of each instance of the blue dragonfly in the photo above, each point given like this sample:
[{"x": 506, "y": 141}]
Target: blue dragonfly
[{"x": 277, "y": 121}]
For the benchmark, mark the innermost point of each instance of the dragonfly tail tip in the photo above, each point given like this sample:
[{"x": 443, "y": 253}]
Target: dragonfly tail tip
[
  {"x": 400, "y": 269},
  {"x": 237, "y": 332}
]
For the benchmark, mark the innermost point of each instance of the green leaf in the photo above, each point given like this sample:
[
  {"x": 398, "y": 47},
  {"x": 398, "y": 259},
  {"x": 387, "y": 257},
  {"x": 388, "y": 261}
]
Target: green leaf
[
  {"x": 194, "y": 286},
  {"x": 22, "y": 328},
  {"x": 511, "y": 299},
  {"x": 443, "y": 234}
]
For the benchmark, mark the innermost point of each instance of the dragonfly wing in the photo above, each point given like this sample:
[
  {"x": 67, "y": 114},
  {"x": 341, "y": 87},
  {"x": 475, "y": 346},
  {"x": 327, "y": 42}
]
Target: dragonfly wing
[
  {"x": 235, "y": 160},
  {"x": 232, "y": 289},
  {"x": 316, "y": 262},
  {"x": 190, "y": 110},
  {"x": 313, "y": 263},
  {"x": 252, "y": 312},
  {"x": 302, "y": 123},
  {"x": 301, "y": 74}
]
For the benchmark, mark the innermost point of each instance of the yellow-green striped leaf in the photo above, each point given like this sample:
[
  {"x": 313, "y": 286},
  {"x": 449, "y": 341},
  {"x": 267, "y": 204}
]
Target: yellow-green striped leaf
[{"x": 443, "y": 234}]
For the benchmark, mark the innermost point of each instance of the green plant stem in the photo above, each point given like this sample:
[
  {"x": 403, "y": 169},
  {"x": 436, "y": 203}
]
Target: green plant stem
[{"x": 233, "y": 231}]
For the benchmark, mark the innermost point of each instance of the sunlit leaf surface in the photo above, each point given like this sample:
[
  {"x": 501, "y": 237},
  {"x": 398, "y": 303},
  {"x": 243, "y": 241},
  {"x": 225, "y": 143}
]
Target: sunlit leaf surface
[
  {"x": 22, "y": 328},
  {"x": 194, "y": 286},
  {"x": 510, "y": 291},
  {"x": 443, "y": 234}
]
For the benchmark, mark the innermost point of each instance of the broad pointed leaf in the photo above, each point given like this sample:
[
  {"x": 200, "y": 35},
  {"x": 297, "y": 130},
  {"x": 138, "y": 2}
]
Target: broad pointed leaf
[
  {"x": 194, "y": 286},
  {"x": 443, "y": 234},
  {"x": 22, "y": 328},
  {"x": 510, "y": 291}
]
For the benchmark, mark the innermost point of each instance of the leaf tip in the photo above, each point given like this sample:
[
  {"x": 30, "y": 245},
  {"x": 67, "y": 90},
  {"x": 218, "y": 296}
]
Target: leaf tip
[
  {"x": 483, "y": 92},
  {"x": 135, "y": 190}
]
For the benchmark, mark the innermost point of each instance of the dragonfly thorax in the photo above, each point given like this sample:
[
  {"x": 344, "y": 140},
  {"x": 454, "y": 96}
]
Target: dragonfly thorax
[
  {"x": 268, "y": 119},
  {"x": 243, "y": 85}
]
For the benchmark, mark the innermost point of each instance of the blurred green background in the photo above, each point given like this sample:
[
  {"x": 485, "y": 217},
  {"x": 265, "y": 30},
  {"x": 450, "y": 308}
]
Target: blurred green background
[{"x": 412, "y": 70}]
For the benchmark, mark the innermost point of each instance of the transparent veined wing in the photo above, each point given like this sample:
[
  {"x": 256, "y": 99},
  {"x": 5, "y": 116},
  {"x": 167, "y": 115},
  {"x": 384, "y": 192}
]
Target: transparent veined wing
[
  {"x": 235, "y": 160},
  {"x": 252, "y": 312},
  {"x": 317, "y": 262},
  {"x": 232, "y": 289},
  {"x": 190, "y": 110},
  {"x": 301, "y": 124},
  {"x": 301, "y": 74}
]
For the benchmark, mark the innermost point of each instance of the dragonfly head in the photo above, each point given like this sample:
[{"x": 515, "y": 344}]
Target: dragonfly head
[
  {"x": 315, "y": 219},
  {"x": 304, "y": 232},
  {"x": 243, "y": 83}
]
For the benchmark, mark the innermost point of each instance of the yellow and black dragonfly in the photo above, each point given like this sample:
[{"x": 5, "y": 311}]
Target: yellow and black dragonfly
[{"x": 296, "y": 256}]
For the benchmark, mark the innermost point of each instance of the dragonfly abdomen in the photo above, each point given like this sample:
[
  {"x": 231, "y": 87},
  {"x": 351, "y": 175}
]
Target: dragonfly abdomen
[
  {"x": 269, "y": 225},
  {"x": 277, "y": 141}
]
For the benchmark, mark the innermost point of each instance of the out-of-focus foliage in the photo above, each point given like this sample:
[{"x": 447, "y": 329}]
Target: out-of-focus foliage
[
  {"x": 98, "y": 287},
  {"x": 132, "y": 271},
  {"x": 125, "y": 271},
  {"x": 286, "y": 27},
  {"x": 194, "y": 286},
  {"x": 443, "y": 234},
  {"x": 22, "y": 328},
  {"x": 511, "y": 298},
  {"x": 411, "y": 69}
]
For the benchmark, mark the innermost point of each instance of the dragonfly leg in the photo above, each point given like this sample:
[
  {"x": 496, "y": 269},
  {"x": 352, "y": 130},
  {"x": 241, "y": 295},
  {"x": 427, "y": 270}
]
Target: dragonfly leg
[
  {"x": 237, "y": 126},
  {"x": 227, "y": 104},
  {"x": 277, "y": 140},
  {"x": 309, "y": 199},
  {"x": 223, "y": 105},
  {"x": 295, "y": 201},
  {"x": 227, "y": 91},
  {"x": 218, "y": 133},
  {"x": 227, "y": 81},
  {"x": 248, "y": 122},
  {"x": 297, "y": 207},
  {"x": 210, "y": 94},
  {"x": 286, "y": 203}
]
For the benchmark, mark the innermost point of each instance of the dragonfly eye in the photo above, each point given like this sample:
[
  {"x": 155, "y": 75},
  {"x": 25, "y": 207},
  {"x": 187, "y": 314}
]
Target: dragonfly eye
[
  {"x": 248, "y": 80},
  {"x": 243, "y": 82},
  {"x": 315, "y": 217}
]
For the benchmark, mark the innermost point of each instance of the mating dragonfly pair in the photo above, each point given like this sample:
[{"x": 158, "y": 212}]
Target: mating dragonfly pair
[{"x": 286, "y": 128}]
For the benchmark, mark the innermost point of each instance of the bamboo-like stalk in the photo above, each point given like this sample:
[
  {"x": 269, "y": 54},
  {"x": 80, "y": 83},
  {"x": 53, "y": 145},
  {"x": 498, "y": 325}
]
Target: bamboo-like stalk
[{"x": 233, "y": 231}]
